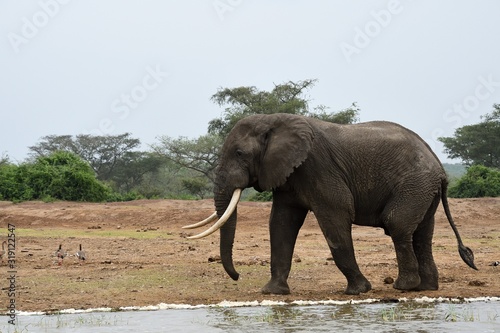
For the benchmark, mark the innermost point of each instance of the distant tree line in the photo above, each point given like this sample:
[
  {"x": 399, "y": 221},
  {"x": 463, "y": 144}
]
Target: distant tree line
[{"x": 113, "y": 168}]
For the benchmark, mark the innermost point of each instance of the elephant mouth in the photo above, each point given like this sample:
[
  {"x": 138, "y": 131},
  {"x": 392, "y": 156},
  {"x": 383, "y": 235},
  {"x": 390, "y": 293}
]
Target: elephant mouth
[{"x": 217, "y": 225}]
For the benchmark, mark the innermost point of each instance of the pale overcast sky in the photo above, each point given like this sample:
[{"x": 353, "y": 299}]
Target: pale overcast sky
[{"x": 150, "y": 67}]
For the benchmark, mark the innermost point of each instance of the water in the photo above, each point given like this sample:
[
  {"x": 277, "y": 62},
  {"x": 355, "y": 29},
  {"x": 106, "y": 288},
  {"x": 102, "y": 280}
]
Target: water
[{"x": 480, "y": 316}]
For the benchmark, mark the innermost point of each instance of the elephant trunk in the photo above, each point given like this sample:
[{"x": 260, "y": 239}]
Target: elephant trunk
[{"x": 227, "y": 232}]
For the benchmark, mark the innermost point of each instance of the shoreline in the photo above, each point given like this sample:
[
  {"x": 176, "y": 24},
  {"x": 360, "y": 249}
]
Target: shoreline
[{"x": 266, "y": 303}]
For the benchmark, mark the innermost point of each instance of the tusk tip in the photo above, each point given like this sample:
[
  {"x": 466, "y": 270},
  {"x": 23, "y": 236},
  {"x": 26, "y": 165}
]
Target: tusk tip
[
  {"x": 206, "y": 221},
  {"x": 223, "y": 219}
]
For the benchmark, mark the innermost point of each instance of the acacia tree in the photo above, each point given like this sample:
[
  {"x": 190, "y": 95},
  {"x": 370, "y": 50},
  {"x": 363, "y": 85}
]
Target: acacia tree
[
  {"x": 201, "y": 154},
  {"x": 287, "y": 97},
  {"x": 4, "y": 159},
  {"x": 103, "y": 153},
  {"x": 132, "y": 168},
  {"x": 113, "y": 158},
  {"x": 478, "y": 143}
]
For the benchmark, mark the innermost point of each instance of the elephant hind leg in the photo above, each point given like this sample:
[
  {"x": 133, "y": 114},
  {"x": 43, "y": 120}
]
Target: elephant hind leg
[
  {"x": 422, "y": 245},
  {"x": 408, "y": 276},
  {"x": 411, "y": 229},
  {"x": 401, "y": 225},
  {"x": 339, "y": 238}
]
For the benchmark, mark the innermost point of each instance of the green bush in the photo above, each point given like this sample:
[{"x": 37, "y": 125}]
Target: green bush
[
  {"x": 11, "y": 185},
  {"x": 129, "y": 196},
  {"x": 261, "y": 196},
  {"x": 479, "y": 181},
  {"x": 59, "y": 176},
  {"x": 198, "y": 187}
]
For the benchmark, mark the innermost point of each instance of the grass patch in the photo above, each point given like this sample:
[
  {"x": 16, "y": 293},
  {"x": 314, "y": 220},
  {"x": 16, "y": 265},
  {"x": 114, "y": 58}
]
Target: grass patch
[
  {"x": 275, "y": 315},
  {"x": 455, "y": 314},
  {"x": 123, "y": 285},
  {"x": 87, "y": 320},
  {"x": 92, "y": 233}
]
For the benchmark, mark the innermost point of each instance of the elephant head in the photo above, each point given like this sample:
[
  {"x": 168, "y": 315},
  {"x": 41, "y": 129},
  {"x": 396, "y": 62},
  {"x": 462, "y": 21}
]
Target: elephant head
[{"x": 260, "y": 152}]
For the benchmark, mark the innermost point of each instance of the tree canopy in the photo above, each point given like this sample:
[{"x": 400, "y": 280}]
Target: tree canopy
[
  {"x": 288, "y": 97},
  {"x": 201, "y": 154},
  {"x": 4, "y": 159},
  {"x": 102, "y": 152},
  {"x": 478, "y": 143},
  {"x": 114, "y": 158}
]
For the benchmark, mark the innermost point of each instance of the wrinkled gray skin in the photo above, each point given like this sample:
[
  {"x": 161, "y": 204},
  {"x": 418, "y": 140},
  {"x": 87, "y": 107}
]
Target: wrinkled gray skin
[{"x": 375, "y": 174}]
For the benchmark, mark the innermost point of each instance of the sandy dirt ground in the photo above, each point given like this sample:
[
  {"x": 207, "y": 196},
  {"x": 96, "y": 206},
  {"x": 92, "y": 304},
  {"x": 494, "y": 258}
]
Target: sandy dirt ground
[{"x": 137, "y": 254}]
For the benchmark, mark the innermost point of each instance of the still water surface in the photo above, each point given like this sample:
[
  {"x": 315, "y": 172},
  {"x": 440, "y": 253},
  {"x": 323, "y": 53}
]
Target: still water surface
[{"x": 482, "y": 316}]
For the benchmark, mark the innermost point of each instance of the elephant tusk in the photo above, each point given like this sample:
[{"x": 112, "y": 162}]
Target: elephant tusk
[
  {"x": 209, "y": 219},
  {"x": 229, "y": 211}
]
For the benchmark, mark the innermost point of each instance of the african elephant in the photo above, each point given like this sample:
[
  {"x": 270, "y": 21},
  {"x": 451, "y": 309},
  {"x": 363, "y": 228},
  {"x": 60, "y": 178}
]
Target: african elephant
[{"x": 377, "y": 174}]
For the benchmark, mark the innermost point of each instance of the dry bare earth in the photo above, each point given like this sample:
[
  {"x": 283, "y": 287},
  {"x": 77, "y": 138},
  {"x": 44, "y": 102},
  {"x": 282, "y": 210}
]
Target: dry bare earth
[{"x": 138, "y": 255}]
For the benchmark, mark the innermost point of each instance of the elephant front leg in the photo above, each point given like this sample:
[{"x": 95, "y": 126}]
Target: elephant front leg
[{"x": 284, "y": 225}]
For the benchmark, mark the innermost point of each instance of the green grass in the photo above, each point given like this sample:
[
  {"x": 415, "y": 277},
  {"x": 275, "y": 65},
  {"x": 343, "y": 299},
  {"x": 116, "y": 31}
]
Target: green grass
[
  {"x": 126, "y": 280},
  {"x": 411, "y": 312},
  {"x": 62, "y": 322},
  {"x": 275, "y": 315},
  {"x": 467, "y": 315},
  {"x": 92, "y": 233}
]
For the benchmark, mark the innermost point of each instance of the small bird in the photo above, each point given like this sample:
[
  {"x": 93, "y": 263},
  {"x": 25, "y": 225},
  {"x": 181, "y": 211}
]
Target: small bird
[
  {"x": 495, "y": 263},
  {"x": 81, "y": 254},
  {"x": 60, "y": 254},
  {"x": 2, "y": 252}
]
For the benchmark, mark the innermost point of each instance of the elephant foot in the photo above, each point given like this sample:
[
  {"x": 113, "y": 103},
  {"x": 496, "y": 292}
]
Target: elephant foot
[
  {"x": 429, "y": 279},
  {"x": 408, "y": 282},
  {"x": 277, "y": 288},
  {"x": 359, "y": 287},
  {"x": 428, "y": 285}
]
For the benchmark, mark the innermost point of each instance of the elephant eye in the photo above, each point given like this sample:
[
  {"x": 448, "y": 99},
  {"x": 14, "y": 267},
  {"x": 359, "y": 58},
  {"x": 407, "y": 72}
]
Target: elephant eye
[{"x": 239, "y": 152}]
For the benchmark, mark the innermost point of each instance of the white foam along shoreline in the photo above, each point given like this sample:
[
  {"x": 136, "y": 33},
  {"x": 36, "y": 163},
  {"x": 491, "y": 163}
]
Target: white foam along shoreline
[{"x": 228, "y": 304}]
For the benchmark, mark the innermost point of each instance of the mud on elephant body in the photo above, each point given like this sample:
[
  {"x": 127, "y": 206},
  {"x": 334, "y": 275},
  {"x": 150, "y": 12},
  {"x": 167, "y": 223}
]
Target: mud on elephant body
[{"x": 376, "y": 174}]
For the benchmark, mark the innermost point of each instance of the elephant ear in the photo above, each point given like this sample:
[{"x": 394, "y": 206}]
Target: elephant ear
[{"x": 287, "y": 144}]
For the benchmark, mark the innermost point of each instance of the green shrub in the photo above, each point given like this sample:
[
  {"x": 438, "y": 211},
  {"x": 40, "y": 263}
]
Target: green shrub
[
  {"x": 479, "y": 181},
  {"x": 196, "y": 186},
  {"x": 129, "y": 196},
  {"x": 59, "y": 176},
  {"x": 261, "y": 196},
  {"x": 12, "y": 186}
]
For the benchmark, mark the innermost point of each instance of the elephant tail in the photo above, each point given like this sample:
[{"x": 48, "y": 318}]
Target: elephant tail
[{"x": 465, "y": 253}]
